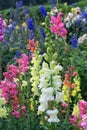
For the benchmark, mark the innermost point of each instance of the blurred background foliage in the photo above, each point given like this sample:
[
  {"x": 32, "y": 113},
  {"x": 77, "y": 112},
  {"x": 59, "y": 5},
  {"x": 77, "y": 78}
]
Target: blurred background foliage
[{"x": 4, "y": 4}]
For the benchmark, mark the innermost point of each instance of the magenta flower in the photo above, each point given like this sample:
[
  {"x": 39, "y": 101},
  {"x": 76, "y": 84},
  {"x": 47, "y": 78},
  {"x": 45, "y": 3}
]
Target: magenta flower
[
  {"x": 84, "y": 122},
  {"x": 16, "y": 113},
  {"x": 73, "y": 119},
  {"x": 2, "y": 29},
  {"x": 23, "y": 63},
  {"x": 57, "y": 26},
  {"x": 82, "y": 107},
  {"x": 9, "y": 85}
]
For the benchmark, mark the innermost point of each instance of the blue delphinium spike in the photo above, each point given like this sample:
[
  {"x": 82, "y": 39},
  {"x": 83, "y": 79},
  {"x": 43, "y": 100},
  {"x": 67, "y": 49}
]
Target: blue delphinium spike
[
  {"x": 74, "y": 41},
  {"x": 43, "y": 11}
]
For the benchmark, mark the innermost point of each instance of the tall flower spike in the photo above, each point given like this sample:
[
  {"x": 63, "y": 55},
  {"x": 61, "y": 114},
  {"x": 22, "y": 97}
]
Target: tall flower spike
[{"x": 43, "y": 11}]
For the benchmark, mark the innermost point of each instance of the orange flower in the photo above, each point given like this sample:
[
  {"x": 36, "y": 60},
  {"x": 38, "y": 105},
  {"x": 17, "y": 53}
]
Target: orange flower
[
  {"x": 32, "y": 45},
  {"x": 67, "y": 83},
  {"x": 16, "y": 100}
]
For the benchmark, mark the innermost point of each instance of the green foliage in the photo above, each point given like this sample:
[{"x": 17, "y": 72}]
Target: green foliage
[{"x": 81, "y": 3}]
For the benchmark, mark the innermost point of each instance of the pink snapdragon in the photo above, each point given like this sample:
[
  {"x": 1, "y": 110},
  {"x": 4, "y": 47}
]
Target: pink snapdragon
[
  {"x": 12, "y": 72},
  {"x": 9, "y": 90},
  {"x": 73, "y": 119},
  {"x": 9, "y": 85},
  {"x": 57, "y": 26},
  {"x": 23, "y": 63},
  {"x": 81, "y": 119},
  {"x": 82, "y": 107},
  {"x": 83, "y": 123}
]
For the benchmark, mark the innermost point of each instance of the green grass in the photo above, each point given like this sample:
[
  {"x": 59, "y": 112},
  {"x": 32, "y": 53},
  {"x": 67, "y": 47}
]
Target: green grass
[{"x": 82, "y": 3}]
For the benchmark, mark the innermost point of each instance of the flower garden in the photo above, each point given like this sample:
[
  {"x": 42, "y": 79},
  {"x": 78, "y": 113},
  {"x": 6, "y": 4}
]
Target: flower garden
[{"x": 43, "y": 68}]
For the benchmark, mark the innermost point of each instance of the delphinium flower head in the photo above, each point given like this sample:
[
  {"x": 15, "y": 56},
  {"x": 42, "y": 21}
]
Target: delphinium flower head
[
  {"x": 42, "y": 33},
  {"x": 19, "y": 4},
  {"x": 43, "y": 11},
  {"x": 30, "y": 24},
  {"x": 84, "y": 14},
  {"x": 2, "y": 29},
  {"x": 26, "y": 11},
  {"x": 74, "y": 41},
  {"x": 18, "y": 54}
]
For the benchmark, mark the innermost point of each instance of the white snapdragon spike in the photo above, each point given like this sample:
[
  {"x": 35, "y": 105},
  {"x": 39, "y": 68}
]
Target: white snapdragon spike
[
  {"x": 43, "y": 83},
  {"x": 59, "y": 97},
  {"x": 57, "y": 82},
  {"x": 49, "y": 76},
  {"x": 46, "y": 96},
  {"x": 58, "y": 68},
  {"x": 48, "y": 93},
  {"x": 43, "y": 106},
  {"x": 52, "y": 115}
]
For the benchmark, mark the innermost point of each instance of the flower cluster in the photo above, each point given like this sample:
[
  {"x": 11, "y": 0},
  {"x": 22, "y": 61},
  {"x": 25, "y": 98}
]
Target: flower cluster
[
  {"x": 76, "y": 23},
  {"x": 35, "y": 68},
  {"x": 57, "y": 26},
  {"x": 9, "y": 85},
  {"x": 79, "y": 115},
  {"x": 32, "y": 45},
  {"x": 2, "y": 29},
  {"x": 71, "y": 86},
  {"x": 50, "y": 83}
]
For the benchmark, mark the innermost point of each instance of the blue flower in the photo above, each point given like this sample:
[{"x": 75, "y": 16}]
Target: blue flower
[
  {"x": 78, "y": 22},
  {"x": 14, "y": 24},
  {"x": 84, "y": 14},
  {"x": 43, "y": 11},
  {"x": 26, "y": 11},
  {"x": 30, "y": 24},
  {"x": 73, "y": 4},
  {"x": 53, "y": 2},
  {"x": 19, "y": 4},
  {"x": 18, "y": 54},
  {"x": 74, "y": 41},
  {"x": 42, "y": 33}
]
